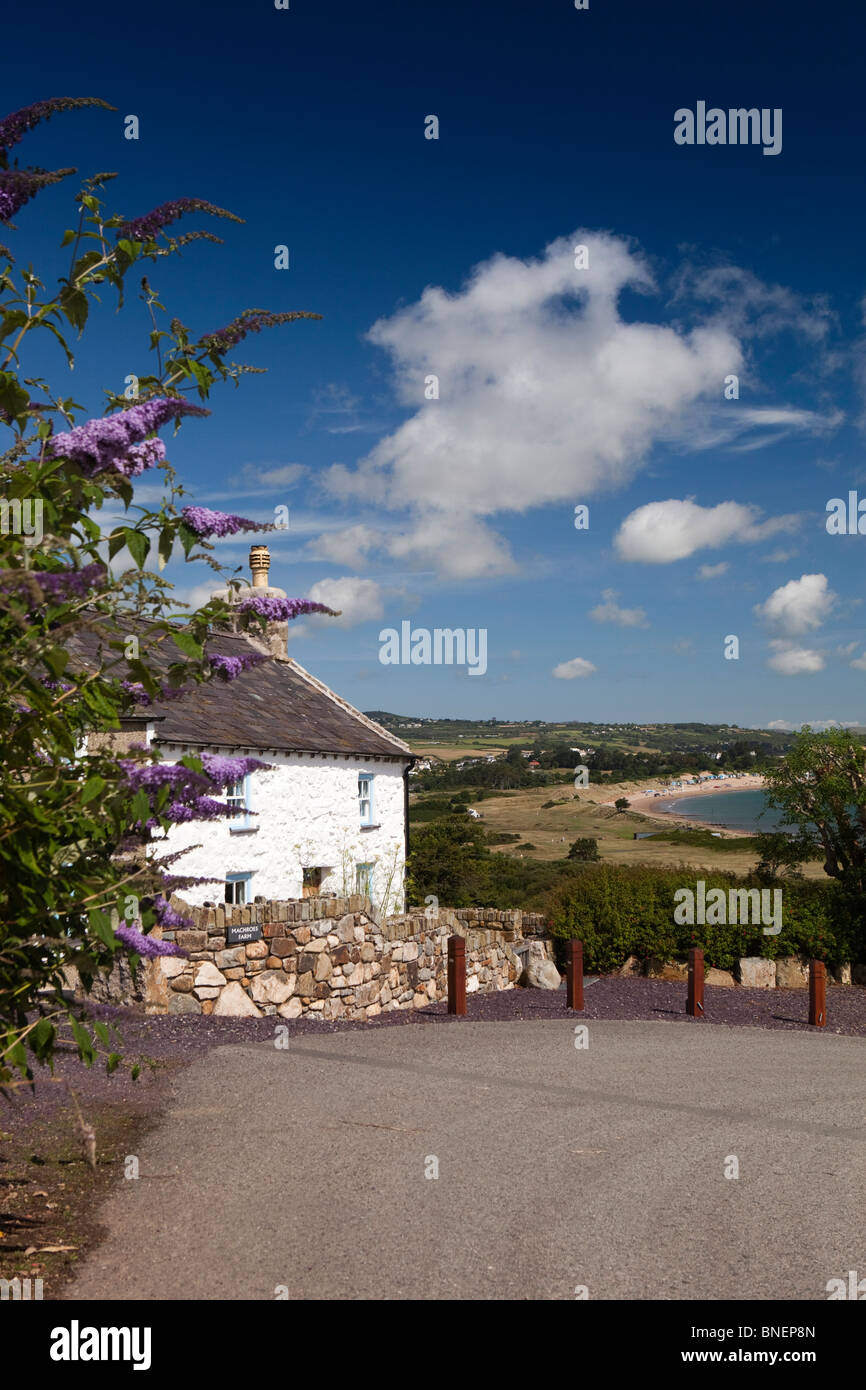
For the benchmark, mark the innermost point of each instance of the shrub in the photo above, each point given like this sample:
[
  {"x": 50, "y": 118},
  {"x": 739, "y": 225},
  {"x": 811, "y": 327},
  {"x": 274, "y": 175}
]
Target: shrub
[{"x": 619, "y": 911}]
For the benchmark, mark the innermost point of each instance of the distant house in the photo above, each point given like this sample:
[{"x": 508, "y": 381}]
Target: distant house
[{"x": 326, "y": 815}]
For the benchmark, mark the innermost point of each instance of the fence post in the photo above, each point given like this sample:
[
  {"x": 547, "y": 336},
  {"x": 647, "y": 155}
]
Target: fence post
[
  {"x": 574, "y": 974},
  {"x": 695, "y": 1003},
  {"x": 456, "y": 975},
  {"x": 818, "y": 993}
]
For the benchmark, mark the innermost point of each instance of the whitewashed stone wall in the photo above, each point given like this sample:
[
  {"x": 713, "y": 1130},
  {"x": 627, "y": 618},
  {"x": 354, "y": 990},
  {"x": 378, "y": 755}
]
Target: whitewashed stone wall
[{"x": 307, "y": 816}]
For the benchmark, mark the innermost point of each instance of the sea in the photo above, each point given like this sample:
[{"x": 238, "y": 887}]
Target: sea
[{"x": 742, "y": 810}]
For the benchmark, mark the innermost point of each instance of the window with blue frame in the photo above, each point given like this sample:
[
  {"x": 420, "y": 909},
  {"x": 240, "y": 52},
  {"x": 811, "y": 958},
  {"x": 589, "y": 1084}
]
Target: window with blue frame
[
  {"x": 364, "y": 879},
  {"x": 365, "y": 797},
  {"x": 238, "y": 799},
  {"x": 238, "y": 888}
]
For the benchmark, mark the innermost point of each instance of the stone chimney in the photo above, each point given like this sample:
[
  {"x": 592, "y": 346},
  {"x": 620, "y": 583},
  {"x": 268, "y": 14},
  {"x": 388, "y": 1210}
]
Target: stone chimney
[{"x": 275, "y": 638}]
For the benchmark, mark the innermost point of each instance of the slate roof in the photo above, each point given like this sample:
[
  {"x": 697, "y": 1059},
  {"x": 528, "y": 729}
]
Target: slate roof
[{"x": 276, "y": 705}]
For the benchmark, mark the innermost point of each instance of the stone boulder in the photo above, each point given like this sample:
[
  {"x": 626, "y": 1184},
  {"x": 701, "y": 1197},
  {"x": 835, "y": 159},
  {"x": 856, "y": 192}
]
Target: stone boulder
[
  {"x": 757, "y": 973},
  {"x": 541, "y": 973},
  {"x": 722, "y": 978},
  {"x": 208, "y": 975},
  {"x": 273, "y": 987},
  {"x": 792, "y": 973},
  {"x": 632, "y": 966},
  {"x": 235, "y": 1003},
  {"x": 666, "y": 969}
]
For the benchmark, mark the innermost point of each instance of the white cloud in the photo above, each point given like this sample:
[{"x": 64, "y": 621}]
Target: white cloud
[
  {"x": 752, "y": 308},
  {"x": 257, "y": 478},
  {"x": 713, "y": 571},
  {"x": 859, "y": 663},
  {"x": 661, "y": 532},
  {"x": 789, "y": 660},
  {"x": 799, "y": 606},
  {"x": 785, "y": 725},
  {"x": 348, "y": 547},
  {"x": 359, "y": 600},
  {"x": 572, "y": 670},
  {"x": 546, "y": 392},
  {"x": 610, "y": 612}
]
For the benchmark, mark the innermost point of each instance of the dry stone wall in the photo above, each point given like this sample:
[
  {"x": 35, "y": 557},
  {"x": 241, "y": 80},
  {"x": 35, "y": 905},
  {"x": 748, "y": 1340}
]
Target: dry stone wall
[{"x": 331, "y": 958}]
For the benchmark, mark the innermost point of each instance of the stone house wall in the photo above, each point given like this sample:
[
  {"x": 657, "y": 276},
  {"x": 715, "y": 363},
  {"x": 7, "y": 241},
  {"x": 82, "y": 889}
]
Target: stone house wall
[
  {"x": 305, "y": 814},
  {"x": 331, "y": 958}
]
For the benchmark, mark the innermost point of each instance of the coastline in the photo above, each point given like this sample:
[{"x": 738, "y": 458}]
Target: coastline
[{"x": 666, "y": 805}]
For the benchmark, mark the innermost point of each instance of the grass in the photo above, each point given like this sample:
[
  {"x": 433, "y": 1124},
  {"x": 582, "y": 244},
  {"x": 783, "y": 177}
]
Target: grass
[{"x": 552, "y": 829}]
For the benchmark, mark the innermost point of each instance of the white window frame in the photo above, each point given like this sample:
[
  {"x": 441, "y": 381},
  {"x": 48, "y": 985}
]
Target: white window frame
[
  {"x": 369, "y": 799},
  {"x": 243, "y": 878},
  {"x": 241, "y": 801}
]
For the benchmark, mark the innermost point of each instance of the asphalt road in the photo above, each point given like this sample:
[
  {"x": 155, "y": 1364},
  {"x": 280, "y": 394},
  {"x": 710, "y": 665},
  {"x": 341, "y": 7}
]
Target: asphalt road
[{"x": 601, "y": 1167}]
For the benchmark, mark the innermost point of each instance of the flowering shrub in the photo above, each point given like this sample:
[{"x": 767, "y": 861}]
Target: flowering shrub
[{"x": 82, "y": 875}]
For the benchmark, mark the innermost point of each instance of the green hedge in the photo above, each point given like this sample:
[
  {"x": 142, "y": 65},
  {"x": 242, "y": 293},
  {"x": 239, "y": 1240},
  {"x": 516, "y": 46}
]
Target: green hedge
[{"x": 619, "y": 911}]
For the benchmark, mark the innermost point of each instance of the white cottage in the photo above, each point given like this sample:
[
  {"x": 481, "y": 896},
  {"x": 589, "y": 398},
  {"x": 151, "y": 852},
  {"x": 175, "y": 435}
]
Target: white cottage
[{"x": 329, "y": 814}]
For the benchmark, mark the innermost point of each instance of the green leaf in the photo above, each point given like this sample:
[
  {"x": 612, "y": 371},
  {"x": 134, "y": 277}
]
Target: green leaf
[
  {"x": 101, "y": 1032},
  {"x": 93, "y": 787},
  {"x": 75, "y": 306},
  {"x": 13, "y": 397},
  {"x": 188, "y": 645},
  {"x": 138, "y": 545},
  {"x": 111, "y": 1062},
  {"x": 56, "y": 658},
  {"x": 83, "y": 1041},
  {"x": 101, "y": 926},
  {"x": 136, "y": 1072},
  {"x": 41, "y": 1039}
]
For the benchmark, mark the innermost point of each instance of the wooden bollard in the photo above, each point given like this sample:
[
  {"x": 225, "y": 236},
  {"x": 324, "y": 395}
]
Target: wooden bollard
[
  {"x": 818, "y": 993},
  {"x": 574, "y": 974},
  {"x": 695, "y": 1003},
  {"x": 456, "y": 975}
]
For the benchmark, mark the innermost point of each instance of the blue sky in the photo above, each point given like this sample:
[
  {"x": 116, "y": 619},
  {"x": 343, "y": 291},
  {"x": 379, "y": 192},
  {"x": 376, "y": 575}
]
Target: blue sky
[{"x": 558, "y": 386}]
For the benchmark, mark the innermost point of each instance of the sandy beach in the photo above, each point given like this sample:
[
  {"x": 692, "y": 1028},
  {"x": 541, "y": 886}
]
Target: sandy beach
[{"x": 667, "y": 803}]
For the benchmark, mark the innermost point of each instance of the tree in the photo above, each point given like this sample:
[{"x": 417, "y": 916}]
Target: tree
[
  {"x": 622, "y": 804},
  {"x": 81, "y": 876},
  {"x": 820, "y": 788},
  {"x": 585, "y": 849},
  {"x": 449, "y": 859}
]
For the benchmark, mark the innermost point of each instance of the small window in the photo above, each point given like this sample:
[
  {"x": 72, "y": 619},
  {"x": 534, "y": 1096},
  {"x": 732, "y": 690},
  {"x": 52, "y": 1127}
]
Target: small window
[
  {"x": 238, "y": 888},
  {"x": 313, "y": 881},
  {"x": 238, "y": 802},
  {"x": 365, "y": 797},
  {"x": 364, "y": 879}
]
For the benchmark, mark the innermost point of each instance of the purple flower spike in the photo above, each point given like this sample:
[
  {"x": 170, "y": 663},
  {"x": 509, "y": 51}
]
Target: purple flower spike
[
  {"x": 57, "y": 586},
  {"x": 15, "y": 126},
  {"x": 283, "y": 609},
  {"x": 230, "y": 667},
  {"x": 115, "y": 441},
  {"x": 148, "y": 227},
  {"x": 148, "y": 946},
  {"x": 168, "y": 918},
  {"x": 18, "y": 186},
  {"x": 204, "y": 522}
]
